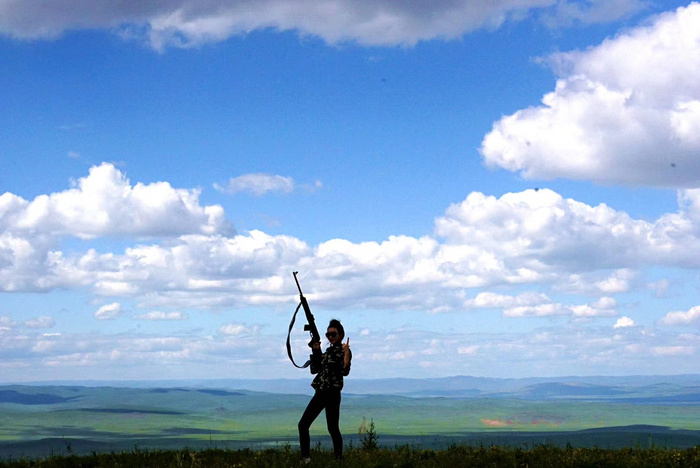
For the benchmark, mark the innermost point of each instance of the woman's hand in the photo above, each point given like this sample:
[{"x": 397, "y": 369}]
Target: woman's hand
[{"x": 346, "y": 349}]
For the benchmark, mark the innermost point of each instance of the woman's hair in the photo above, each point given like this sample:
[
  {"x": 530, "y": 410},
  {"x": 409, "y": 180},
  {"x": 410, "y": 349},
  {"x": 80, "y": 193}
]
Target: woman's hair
[{"x": 335, "y": 323}]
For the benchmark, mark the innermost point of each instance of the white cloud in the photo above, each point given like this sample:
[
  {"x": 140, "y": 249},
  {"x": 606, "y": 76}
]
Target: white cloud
[
  {"x": 159, "y": 315},
  {"x": 626, "y": 111},
  {"x": 467, "y": 349},
  {"x": 534, "y": 240},
  {"x": 624, "y": 322},
  {"x": 105, "y": 204},
  {"x": 185, "y": 23},
  {"x": 618, "y": 282},
  {"x": 6, "y": 322},
  {"x": 605, "y": 303},
  {"x": 532, "y": 304},
  {"x": 44, "y": 321},
  {"x": 673, "y": 350},
  {"x": 488, "y": 299},
  {"x": 542, "y": 310},
  {"x": 198, "y": 354},
  {"x": 234, "y": 329},
  {"x": 544, "y": 351},
  {"x": 109, "y": 311},
  {"x": 245, "y": 269},
  {"x": 258, "y": 184},
  {"x": 589, "y": 311},
  {"x": 689, "y": 317},
  {"x": 531, "y": 232}
]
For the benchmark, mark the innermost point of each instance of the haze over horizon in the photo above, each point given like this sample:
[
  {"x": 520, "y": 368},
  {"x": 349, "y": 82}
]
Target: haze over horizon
[{"x": 495, "y": 189}]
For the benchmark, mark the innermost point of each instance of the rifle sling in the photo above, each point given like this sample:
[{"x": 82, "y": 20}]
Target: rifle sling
[{"x": 289, "y": 346}]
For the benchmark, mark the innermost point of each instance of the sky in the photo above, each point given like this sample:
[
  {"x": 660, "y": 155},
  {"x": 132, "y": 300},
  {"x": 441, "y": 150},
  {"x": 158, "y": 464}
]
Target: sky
[{"x": 498, "y": 189}]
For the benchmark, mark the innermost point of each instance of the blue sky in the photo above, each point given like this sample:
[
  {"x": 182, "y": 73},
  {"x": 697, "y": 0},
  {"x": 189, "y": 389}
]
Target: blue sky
[{"x": 499, "y": 189}]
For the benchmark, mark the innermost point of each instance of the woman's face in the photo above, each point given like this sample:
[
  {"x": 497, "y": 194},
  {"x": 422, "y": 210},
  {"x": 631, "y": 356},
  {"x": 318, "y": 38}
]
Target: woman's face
[{"x": 333, "y": 336}]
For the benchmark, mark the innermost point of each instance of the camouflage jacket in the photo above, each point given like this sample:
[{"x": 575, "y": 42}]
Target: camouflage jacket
[{"x": 329, "y": 368}]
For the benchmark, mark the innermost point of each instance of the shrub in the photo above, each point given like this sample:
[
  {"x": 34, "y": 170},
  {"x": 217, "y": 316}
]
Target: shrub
[{"x": 368, "y": 435}]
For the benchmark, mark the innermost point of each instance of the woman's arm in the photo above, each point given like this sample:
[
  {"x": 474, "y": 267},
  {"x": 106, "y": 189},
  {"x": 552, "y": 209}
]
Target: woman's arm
[
  {"x": 347, "y": 357},
  {"x": 346, "y": 351}
]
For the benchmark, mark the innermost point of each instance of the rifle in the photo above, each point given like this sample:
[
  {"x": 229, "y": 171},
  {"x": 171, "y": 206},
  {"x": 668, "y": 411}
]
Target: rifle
[{"x": 310, "y": 325}]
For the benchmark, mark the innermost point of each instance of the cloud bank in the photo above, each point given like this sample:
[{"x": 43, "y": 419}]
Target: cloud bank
[
  {"x": 535, "y": 238},
  {"x": 531, "y": 255},
  {"x": 186, "y": 23},
  {"x": 626, "y": 111}
]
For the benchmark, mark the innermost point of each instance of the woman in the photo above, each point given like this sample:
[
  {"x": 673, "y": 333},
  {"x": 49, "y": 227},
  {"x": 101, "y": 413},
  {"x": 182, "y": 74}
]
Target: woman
[{"x": 330, "y": 368}]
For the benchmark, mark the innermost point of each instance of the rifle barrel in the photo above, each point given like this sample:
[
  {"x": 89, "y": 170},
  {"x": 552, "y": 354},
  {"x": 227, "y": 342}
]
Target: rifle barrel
[{"x": 297, "y": 281}]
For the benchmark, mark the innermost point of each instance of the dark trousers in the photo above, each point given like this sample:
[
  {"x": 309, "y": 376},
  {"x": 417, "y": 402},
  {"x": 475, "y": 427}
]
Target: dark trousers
[{"x": 330, "y": 401}]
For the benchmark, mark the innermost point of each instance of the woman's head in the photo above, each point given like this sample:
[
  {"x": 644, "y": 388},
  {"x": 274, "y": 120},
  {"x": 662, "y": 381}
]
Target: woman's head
[{"x": 335, "y": 332}]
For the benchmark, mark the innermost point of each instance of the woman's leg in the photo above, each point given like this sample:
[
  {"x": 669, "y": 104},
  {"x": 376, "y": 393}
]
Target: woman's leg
[
  {"x": 332, "y": 419},
  {"x": 313, "y": 409}
]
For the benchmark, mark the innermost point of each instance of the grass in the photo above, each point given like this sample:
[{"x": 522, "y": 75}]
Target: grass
[
  {"x": 139, "y": 416},
  {"x": 405, "y": 457},
  {"x": 100, "y": 426}
]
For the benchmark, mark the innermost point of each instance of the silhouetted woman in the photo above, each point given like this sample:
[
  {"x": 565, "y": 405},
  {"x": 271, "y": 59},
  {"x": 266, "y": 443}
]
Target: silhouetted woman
[{"x": 330, "y": 368}]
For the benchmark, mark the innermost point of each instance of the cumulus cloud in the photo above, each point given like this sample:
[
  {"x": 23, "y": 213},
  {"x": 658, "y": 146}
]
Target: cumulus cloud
[
  {"x": 258, "y": 184},
  {"x": 109, "y": 311},
  {"x": 535, "y": 242},
  {"x": 235, "y": 329},
  {"x": 681, "y": 318},
  {"x": 626, "y": 111},
  {"x": 530, "y": 234},
  {"x": 159, "y": 315},
  {"x": 527, "y": 238},
  {"x": 489, "y": 299},
  {"x": 624, "y": 322},
  {"x": 531, "y": 304},
  {"x": 44, "y": 321},
  {"x": 186, "y": 23},
  {"x": 557, "y": 309},
  {"x": 467, "y": 349},
  {"x": 6, "y": 322},
  {"x": 104, "y": 203}
]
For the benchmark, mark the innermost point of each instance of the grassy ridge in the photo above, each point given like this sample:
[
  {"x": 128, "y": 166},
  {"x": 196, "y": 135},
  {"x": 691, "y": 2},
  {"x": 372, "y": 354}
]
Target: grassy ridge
[
  {"x": 39, "y": 421},
  {"x": 406, "y": 457},
  {"x": 108, "y": 413}
]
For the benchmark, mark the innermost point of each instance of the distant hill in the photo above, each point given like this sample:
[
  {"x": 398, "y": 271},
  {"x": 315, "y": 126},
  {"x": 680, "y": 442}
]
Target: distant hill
[
  {"x": 590, "y": 411},
  {"x": 640, "y": 389},
  {"x": 13, "y": 396}
]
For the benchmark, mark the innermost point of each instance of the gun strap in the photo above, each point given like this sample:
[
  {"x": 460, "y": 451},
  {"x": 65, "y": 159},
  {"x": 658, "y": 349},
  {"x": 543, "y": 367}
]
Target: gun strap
[{"x": 289, "y": 346}]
